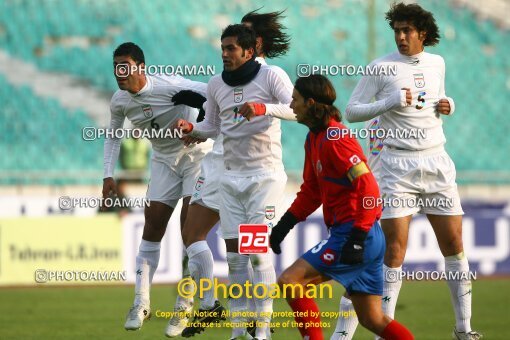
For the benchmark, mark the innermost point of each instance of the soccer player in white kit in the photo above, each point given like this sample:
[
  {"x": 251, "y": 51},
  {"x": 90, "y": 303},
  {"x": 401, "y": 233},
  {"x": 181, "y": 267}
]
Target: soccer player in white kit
[
  {"x": 254, "y": 179},
  {"x": 203, "y": 212},
  {"x": 414, "y": 168},
  {"x": 146, "y": 100}
]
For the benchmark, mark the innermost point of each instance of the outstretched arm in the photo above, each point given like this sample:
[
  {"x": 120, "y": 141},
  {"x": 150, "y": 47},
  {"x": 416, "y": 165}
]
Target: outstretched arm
[{"x": 360, "y": 109}]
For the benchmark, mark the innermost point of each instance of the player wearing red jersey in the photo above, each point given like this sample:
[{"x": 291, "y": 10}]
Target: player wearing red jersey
[{"x": 336, "y": 176}]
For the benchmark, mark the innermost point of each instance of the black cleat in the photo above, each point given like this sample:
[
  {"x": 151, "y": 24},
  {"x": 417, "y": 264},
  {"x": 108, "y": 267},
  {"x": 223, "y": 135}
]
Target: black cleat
[
  {"x": 204, "y": 318},
  {"x": 253, "y": 329}
]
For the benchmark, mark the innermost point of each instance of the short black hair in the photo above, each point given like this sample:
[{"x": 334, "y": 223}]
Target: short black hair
[
  {"x": 322, "y": 91},
  {"x": 421, "y": 19},
  {"x": 246, "y": 37},
  {"x": 275, "y": 42},
  {"x": 132, "y": 50}
]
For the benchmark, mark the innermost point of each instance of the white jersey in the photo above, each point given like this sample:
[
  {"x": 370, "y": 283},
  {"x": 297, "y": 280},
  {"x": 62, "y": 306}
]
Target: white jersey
[
  {"x": 152, "y": 108},
  {"x": 285, "y": 113},
  {"x": 421, "y": 125},
  {"x": 248, "y": 145}
]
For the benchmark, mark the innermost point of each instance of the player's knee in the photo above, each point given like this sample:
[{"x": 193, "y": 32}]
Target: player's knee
[
  {"x": 452, "y": 247},
  {"x": 188, "y": 237},
  {"x": 369, "y": 320},
  {"x": 283, "y": 279},
  {"x": 364, "y": 320},
  {"x": 153, "y": 226},
  {"x": 287, "y": 279},
  {"x": 237, "y": 262},
  {"x": 394, "y": 255},
  {"x": 287, "y": 283},
  {"x": 261, "y": 262},
  {"x": 153, "y": 233},
  {"x": 156, "y": 220}
]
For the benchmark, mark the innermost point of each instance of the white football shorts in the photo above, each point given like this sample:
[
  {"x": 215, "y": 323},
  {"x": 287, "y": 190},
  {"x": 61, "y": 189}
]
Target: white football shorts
[
  {"x": 256, "y": 199},
  {"x": 173, "y": 179},
  {"x": 206, "y": 189},
  {"x": 418, "y": 182}
]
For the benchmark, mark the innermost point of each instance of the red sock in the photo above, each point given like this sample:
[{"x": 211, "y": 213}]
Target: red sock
[
  {"x": 396, "y": 331},
  {"x": 306, "y": 306}
]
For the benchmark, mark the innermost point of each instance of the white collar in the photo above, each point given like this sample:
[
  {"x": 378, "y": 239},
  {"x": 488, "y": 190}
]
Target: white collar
[
  {"x": 146, "y": 88},
  {"x": 413, "y": 59}
]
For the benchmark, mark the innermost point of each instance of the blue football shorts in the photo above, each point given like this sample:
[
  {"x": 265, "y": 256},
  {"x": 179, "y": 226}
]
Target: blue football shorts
[{"x": 365, "y": 277}]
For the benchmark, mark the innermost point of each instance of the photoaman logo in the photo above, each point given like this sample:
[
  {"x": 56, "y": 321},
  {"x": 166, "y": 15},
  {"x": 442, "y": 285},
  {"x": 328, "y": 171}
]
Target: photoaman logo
[{"x": 253, "y": 238}]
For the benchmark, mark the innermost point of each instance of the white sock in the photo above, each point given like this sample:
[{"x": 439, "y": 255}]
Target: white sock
[
  {"x": 391, "y": 288},
  {"x": 146, "y": 265},
  {"x": 347, "y": 321},
  {"x": 460, "y": 291},
  {"x": 251, "y": 302},
  {"x": 263, "y": 274},
  {"x": 238, "y": 274},
  {"x": 185, "y": 260},
  {"x": 181, "y": 302},
  {"x": 200, "y": 266}
]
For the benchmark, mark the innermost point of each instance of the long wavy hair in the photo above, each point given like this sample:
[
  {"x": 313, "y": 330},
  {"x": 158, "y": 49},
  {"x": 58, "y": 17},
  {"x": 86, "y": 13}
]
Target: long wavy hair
[
  {"x": 275, "y": 42},
  {"x": 321, "y": 90},
  {"x": 421, "y": 19}
]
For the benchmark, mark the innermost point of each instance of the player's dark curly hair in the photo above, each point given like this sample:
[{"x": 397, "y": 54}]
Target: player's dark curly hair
[
  {"x": 275, "y": 42},
  {"x": 132, "y": 50},
  {"x": 246, "y": 37},
  {"x": 320, "y": 89},
  {"x": 421, "y": 19}
]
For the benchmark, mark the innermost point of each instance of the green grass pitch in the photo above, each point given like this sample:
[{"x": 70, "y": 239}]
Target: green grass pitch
[{"x": 99, "y": 312}]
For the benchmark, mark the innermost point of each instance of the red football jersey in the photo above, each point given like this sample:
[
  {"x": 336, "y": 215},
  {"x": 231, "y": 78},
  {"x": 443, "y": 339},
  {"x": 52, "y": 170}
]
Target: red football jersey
[{"x": 336, "y": 176}]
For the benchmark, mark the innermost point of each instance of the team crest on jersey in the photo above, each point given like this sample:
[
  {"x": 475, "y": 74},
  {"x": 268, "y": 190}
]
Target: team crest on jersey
[
  {"x": 238, "y": 94},
  {"x": 147, "y": 110},
  {"x": 270, "y": 212},
  {"x": 419, "y": 80},
  {"x": 200, "y": 182}
]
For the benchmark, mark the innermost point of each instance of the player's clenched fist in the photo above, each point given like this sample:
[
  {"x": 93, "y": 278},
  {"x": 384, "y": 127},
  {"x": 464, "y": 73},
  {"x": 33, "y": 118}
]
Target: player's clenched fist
[
  {"x": 354, "y": 248},
  {"x": 183, "y": 125},
  {"x": 409, "y": 98},
  {"x": 282, "y": 228},
  {"x": 109, "y": 188},
  {"x": 399, "y": 99},
  {"x": 249, "y": 110},
  {"x": 443, "y": 107}
]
